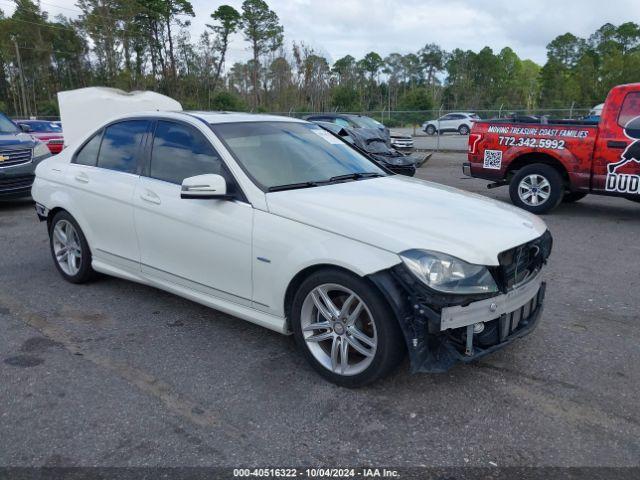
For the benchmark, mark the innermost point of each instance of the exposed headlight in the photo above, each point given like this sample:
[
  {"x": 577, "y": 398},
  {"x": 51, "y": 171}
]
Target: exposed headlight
[
  {"x": 448, "y": 274},
  {"x": 41, "y": 150}
]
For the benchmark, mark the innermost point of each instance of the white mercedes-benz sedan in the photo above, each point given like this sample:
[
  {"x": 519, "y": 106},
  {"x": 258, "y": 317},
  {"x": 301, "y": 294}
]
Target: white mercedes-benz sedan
[{"x": 277, "y": 221}]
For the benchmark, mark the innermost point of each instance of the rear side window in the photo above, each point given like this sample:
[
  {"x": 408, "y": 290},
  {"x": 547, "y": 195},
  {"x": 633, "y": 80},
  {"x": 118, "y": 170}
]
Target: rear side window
[
  {"x": 630, "y": 108},
  {"x": 88, "y": 154},
  {"x": 120, "y": 145},
  {"x": 180, "y": 151}
]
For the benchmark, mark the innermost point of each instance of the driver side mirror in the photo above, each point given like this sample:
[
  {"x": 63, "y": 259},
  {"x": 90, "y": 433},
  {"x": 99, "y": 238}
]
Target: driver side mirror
[
  {"x": 208, "y": 186},
  {"x": 24, "y": 127}
]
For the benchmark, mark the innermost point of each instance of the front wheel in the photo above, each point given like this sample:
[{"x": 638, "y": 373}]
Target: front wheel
[
  {"x": 345, "y": 329},
  {"x": 537, "y": 188},
  {"x": 430, "y": 130}
]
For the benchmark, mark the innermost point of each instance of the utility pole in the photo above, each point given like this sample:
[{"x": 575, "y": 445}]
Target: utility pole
[{"x": 24, "y": 96}]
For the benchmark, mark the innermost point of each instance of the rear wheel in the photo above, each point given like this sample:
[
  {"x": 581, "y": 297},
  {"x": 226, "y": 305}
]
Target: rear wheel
[
  {"x": 537, "y": 188},
  {"x": 430, "y": 130},
  {"x": 69, "y": 249},
  {"x": 345, "y": 329},
  {"x": 572, "y": 197},
  {"x": 463, "y": 130}
]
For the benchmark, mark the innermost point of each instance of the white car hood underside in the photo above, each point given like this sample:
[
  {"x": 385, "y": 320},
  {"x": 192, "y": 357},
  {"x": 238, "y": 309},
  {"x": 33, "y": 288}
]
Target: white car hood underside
[{"x": 399, "y": 213}]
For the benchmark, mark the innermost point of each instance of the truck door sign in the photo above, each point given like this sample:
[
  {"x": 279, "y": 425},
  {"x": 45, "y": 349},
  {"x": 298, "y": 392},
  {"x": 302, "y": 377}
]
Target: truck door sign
[{"x": 617, "y": 181}]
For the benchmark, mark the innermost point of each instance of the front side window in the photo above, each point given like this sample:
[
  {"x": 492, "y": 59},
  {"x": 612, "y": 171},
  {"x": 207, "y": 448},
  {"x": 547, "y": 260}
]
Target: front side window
[
  {"x": 120, "y": 145},
  {"x": 342, "y": 122},
  {"x": 180, "y": 152},
  {"x": 88, "y": 154},
  {"x": 282, "y": 153},
  {"x": 630, "y": 108}
]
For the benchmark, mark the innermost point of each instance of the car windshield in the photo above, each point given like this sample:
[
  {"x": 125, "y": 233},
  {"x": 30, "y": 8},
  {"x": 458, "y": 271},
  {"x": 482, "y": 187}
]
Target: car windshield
[
  {"x": 281, "y": 154},
  {"x": 44, "y": 127},
  {"x": 7, "y": 126},
  {"x": 366, "y": 122}
]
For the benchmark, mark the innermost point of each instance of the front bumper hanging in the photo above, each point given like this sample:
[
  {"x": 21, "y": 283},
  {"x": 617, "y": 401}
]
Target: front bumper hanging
[{"x": 439, "y": 330}]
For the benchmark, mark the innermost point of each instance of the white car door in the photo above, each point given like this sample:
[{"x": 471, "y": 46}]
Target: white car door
[
  {"x": 444, "y": 123},
  {"x": 199, "y": 244},
  {"x": 103, "y": 175}
]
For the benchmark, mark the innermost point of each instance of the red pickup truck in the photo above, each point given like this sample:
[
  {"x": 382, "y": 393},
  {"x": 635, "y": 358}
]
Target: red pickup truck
[{"x": 545, "y": 162}]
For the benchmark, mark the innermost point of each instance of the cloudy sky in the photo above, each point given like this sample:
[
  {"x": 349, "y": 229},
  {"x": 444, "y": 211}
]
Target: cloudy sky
[{"x": 339, "y": 27}]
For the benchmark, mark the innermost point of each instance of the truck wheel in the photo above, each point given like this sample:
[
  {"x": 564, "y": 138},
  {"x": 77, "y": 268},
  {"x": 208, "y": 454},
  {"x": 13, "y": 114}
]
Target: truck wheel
[
  {"x": 430, "y": 130},
  {"x": 572, "y": 197},
  {"x": 537, "y": 188},
  {"x": 463, "y": 130}
]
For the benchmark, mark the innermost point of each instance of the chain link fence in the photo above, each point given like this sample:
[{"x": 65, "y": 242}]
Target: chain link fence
[{"x": 415, "y": 118}]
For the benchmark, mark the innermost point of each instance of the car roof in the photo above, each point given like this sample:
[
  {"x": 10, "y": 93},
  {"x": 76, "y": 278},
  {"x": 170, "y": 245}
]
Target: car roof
[
  {"x": 336, "y": 115},
  {"x": 215, "y": 117}
]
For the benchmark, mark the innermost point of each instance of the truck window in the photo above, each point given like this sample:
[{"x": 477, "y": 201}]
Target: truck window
[{"x": 630, "y": 108}]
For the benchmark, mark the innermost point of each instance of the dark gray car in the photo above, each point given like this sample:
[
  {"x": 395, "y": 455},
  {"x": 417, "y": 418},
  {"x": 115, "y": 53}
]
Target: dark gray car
[
  {"x": 19, "y": 155},
  {"x": 352, "y": 121}
]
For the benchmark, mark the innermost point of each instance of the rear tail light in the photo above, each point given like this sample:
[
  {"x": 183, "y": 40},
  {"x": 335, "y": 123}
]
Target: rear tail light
[{"x": 474, "y": 139}]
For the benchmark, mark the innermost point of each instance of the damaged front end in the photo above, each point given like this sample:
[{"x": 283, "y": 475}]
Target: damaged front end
[{"x": 442, "y": 329}]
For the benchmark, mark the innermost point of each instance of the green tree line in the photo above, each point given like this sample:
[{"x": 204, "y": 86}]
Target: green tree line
[{"x": 146, "y": 45}]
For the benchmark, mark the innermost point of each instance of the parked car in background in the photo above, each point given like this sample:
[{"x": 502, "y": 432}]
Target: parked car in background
[
  {"x": 374, "y": 145},
  {"x": 595, "y": 113},
  {"x": 20, "y": 152},
  {"x": 278, "y": 222},
  {"x": 460, "y": 122},
  {"x": 351, "y": 121},
  {"x": 545, "y": 164},
  {"x": 401, "y": 142},
  {"x": 48, "y": 132}
]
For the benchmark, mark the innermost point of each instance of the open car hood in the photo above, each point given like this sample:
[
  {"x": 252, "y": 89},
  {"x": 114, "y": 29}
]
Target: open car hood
[{"x": 83, "y": 110}]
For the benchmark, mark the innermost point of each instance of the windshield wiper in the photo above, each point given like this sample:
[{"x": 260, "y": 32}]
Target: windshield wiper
[
  {"x": 292, "y": 186},
  {"x": 355, "y": 176}
]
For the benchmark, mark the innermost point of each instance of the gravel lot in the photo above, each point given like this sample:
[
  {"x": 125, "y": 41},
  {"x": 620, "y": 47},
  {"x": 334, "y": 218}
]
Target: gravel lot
[{"x": 119, "y": 374}]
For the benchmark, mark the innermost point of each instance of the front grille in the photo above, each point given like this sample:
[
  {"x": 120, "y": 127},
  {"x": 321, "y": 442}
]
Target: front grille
[
  {"x": 512, "y": 322},
  {"x": 9, "y": 158},
  {"x": 520, "y": 263},
  {"x": 16, "y": 183}
]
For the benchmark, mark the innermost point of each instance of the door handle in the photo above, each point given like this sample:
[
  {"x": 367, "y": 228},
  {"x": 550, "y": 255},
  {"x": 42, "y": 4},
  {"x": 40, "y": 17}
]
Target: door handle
[
  {"x": 150, "y": 197},
  {"x": 82, "y": 177},
  {"x": 616, "y": 144}
]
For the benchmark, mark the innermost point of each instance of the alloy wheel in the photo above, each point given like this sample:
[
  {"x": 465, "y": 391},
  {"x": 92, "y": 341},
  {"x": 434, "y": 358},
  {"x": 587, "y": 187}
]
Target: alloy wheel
[
  {"x": 66, "y": 247},
  {"x": 338, "y": 329},
  {"x": 534, "y": 189}
]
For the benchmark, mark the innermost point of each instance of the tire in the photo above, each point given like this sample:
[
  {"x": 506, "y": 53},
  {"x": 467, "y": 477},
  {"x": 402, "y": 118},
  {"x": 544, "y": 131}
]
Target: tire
[
  {"x": 430, "y": 130},
  {"x": 372, "y": 329},
  {"x": 542, "y": 182},
  {"x": 75, "y": 268},
  {"x": 634, "y": 199},
  {"x": 464, "y": 130},
  {"x": 572, "y": 197}
]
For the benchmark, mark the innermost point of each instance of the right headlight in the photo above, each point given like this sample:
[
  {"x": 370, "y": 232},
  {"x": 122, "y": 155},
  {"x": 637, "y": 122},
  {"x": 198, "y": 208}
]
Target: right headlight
[{"x": 448, "y": 274}]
